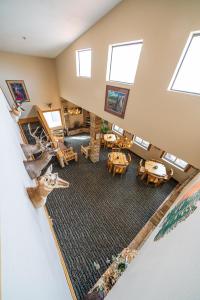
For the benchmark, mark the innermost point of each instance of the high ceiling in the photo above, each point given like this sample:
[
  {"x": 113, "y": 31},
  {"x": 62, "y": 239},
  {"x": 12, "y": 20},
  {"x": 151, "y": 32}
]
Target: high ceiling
[{"x": 46, "y": 27}]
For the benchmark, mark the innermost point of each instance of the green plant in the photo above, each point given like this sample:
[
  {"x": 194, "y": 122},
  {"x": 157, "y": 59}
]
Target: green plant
[{"x": 104, "y": 127}]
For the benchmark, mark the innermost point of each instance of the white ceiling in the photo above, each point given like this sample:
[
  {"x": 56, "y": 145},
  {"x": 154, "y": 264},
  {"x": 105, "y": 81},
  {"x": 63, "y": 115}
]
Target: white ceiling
[{"x": 48, "y": 25}]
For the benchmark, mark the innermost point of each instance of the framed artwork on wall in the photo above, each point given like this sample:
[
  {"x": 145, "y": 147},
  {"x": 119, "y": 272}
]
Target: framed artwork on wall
[
  {"x": 116, "y": 100},
  {"x": 18, "y": 91},
  {"x": 189, "y": 202}
]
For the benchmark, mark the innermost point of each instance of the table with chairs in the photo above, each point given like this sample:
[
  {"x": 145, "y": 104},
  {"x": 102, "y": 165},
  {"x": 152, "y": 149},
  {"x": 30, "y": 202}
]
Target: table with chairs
[
  {"x": 154, "y": 171},
  {"x": 118, "y": 162},
  {"x": 109, "y": 140},
  {"x": 124, "y": 142}
]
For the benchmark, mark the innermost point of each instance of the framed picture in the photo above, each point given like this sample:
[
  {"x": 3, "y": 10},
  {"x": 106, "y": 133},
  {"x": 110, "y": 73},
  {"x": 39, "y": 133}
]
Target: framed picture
[
  {"x": 18, "y": 91},
  {"x": 116, "y": 100}
]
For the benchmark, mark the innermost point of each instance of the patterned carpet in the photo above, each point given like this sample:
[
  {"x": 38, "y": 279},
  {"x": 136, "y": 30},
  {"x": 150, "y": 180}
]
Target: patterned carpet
[{"x": 98, "y": 215}]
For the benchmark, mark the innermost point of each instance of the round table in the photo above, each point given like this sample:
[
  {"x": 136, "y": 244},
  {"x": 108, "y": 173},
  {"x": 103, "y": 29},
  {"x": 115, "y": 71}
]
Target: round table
[{"x": 110, "y": 137}]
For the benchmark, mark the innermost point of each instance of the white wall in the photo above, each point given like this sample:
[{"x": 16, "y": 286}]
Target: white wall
[
  {"x": 39, "y": 76},
  {"x": 168, "y": 120},
  {"x": 168, "y": 269},
  {"x": 30, "y": 266}
]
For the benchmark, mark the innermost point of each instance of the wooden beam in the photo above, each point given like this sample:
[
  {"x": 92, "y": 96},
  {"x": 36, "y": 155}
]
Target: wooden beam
[{"x": 28, "y": 120}]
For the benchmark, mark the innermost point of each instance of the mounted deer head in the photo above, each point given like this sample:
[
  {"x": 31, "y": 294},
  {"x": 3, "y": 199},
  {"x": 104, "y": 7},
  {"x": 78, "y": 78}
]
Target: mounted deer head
[
  {"x": 45, "y": 185},
  {"x": 35, "y": 167},
  {"x": 39, "y": 145}
]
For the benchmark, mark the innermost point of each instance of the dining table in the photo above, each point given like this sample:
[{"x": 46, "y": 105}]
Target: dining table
[
  {"x": 110, "y": 137},
  {"x": 118, "y": 158},
  {"x": 155, "y": 168}
]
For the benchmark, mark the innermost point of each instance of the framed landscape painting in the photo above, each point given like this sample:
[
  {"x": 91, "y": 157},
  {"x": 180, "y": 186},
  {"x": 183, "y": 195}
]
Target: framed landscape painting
[
  {"x": 116, "y": 100},
  {"x": 18, "y": 91}
]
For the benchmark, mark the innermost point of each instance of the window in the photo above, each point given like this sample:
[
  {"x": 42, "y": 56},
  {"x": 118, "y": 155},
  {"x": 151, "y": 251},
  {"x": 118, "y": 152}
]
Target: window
[
  {"x": 83, "y": 62},
  {"x": 123, "y": 61},
  {"x": 117, "y": 129},
  {"x": 53, "y": 118},
  {"x": 173, "y": 160},
  {"x": 140, "y": 142},
  {"x": 187, "y": 73}
]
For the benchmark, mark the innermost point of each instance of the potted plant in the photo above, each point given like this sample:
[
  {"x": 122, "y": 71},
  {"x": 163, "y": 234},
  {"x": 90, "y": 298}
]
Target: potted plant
[{"x": 104, "y": 127}]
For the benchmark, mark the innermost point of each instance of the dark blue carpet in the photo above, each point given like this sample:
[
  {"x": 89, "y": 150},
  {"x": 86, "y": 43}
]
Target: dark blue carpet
[{"x": 99, "y": 214}]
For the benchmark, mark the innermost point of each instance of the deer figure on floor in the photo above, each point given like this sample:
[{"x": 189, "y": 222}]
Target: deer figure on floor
[
  {"x": 39, "y": 145},
  {"x": 45, "y": 184},
  {"x": 35, "y": 167}
]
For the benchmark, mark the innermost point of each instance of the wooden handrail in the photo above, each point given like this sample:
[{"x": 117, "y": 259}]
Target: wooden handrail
[{"x": 52, "y": 139}]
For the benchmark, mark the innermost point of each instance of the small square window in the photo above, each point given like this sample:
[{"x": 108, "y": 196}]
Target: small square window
[
  {"x": 140, "y": 142},
  {"x": 83, "y": 62},
  {"x": 175, "y": 161},
  {"x": 187, "y": 73},
  {"x": 53, "y": 118},
  {"x": 123, "y": 61},
  {"x": 117, "y": 129}
]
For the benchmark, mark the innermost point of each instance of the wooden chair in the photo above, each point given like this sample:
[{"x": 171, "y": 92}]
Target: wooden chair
[
  {"x": 141, "y": 168},
  {"x": 119, "y": 169},
  {"x": 156, "y": 180},
  {"x": 109, "y": 144},
  {"x": 103, "y": 142},
  {"x": 152, "y": 179},
  {"x": 116, "y": 150},
  {"x": 129, "y": 158},
  {"x": 109, "y": 165},
  {"x": 59, "y": 132},
  {"x": 69, "y": 154},
  {"x": 85, "y": 150},
  {"x": 156, "y": 160},
  {"x": 169, "y": 175}
]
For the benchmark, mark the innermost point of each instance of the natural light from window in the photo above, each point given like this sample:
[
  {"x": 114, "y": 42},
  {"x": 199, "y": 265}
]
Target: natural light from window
[
  {"x": 177, "y": 162},
  {"x": 123, "y": 61},
  {"x": 187, "y": 74},
  {"x": 83, "y": 62},
  {"x": 117, "y": 129},
  {"x": 140, "y": 142},
  {"x": 53, "y": 118}
]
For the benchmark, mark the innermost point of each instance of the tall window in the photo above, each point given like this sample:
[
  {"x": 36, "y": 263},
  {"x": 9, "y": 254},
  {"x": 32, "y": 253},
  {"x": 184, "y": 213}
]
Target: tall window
[
  {"x": 117, "y": 129},
  {"x": 53, "y": 118},
  {"x": 173, "y": 160},
  {"x": 140, "y": 142},
  {"x": 83, "y": 62},
  {"x": 123, "y": 61},
  {"x": 187, "y": 74}
]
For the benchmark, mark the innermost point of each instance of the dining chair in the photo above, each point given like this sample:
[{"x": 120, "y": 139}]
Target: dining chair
[
  {"x": 103, "y": 142},
  {"x": 156, "y": 160},
  {"x": 129, "y": 158},
  {"x": 169, "y": 175},
  {"x": 109, "y": 163},
  {"x": 141, "y": 168},
  {"x": 119, "y": 169},
  {"x": 85, "y": 150},
  {"x": 109, "y": 144},
  {"x": 152, "y": 179},
  {"x": 116, "y": 149}
]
